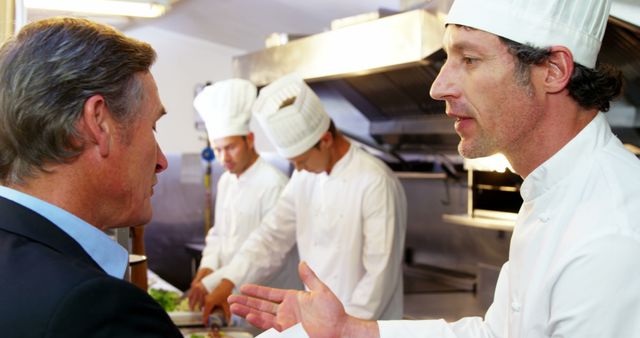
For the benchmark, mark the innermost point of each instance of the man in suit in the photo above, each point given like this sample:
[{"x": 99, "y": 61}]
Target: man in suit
[{"x": 78, "y": 155}]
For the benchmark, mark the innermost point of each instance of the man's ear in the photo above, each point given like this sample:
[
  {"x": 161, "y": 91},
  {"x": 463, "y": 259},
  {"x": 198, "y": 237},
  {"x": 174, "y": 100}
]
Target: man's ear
[
  {"x": 559, "y": 68},
  {"x": 250, "y": 140},
  {"x": 326, "y": 139},
  {"x": 96, "y": 119}
]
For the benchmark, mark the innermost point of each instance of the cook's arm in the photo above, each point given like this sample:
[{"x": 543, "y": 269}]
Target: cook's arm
[
  {"x": 213, "y": 242},
  {"x": 211, "y": 259},
  {"x": 264, "y": 251},
  {"x": 384, "y": 213}
]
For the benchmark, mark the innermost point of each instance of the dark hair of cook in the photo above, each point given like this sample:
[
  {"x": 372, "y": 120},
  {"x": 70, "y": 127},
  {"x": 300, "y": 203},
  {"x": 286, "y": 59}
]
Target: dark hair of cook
[{"x": 591, "y": 88}]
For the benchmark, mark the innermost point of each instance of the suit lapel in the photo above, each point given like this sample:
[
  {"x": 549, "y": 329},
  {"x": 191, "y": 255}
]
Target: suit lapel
[{"x": 25, "y": 222}]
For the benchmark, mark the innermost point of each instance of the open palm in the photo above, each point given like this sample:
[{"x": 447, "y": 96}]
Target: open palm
[{"x": 321, "y": 313}]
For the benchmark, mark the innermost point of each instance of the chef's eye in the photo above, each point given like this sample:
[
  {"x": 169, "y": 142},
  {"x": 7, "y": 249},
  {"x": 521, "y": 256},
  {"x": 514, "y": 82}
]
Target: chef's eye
[{"x": 469, "y": 60}]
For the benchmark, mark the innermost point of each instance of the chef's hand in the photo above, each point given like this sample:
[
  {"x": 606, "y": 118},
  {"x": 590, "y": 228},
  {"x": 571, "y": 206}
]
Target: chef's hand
[
  {"x": 198, "y": 291},
  {"x": 321, "y": 313},
  {"x": 218, "y": 298}
]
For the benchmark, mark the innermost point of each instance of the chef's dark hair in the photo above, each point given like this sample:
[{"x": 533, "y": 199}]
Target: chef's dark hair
[
  {"x": 47, "y": 72},
  {"x": 332, "y": 129},
  {"x": 591, "y": 88}
]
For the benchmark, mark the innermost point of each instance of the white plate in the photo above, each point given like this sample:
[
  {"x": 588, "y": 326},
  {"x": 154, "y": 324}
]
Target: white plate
[
  {"x": 191, "y": 318},
  {"x": 186, "y": 318}
]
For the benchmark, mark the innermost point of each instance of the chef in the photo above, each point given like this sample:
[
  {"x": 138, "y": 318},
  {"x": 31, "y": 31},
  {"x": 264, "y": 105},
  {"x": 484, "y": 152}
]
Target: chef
[
  {"x": 247, "y": 190},
  {"x": 521, "y": 78},
  {"x": 343, "y": 207}
]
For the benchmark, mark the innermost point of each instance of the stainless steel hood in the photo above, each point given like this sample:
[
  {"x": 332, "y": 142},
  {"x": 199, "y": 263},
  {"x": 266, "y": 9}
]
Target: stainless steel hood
[
  {"x": 374, "y": 79},
  {"x": 391, "y": 42}
]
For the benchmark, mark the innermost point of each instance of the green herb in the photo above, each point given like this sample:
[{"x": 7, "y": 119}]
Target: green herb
[
  {"x": 167, "y": 299},
  {"x": 183, "y": 305}
]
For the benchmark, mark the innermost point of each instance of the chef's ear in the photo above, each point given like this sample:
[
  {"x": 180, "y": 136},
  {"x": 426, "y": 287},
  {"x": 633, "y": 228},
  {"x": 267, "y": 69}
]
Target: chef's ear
[
  {"x": 96, "y": 124},
  {"x": 250, "y": 140},
  {"x": 326, "y": 140},
  {"x": 558, "y": 69}
]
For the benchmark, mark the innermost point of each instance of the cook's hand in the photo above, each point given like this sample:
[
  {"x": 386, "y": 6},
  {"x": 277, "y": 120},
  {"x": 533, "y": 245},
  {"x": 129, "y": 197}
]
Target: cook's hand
[
  {"x": 198, "y": 291},
  {"x": 319, "y": 310},
  {"x": 218, "y": 298}
]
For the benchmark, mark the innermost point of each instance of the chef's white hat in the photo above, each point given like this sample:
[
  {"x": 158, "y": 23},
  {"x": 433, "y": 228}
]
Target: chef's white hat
[
  {"x": 225, "y": 107},
  {"x": 291, "y": 115},
  {"x": 576, "y": 24}
]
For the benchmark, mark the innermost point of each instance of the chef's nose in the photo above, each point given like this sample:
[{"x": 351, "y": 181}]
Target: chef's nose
[{"x": 444, "y": 86}]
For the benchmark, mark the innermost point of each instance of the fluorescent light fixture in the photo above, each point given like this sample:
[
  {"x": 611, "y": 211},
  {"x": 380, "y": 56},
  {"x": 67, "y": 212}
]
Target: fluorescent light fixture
[{"x": 101, "y": 7}]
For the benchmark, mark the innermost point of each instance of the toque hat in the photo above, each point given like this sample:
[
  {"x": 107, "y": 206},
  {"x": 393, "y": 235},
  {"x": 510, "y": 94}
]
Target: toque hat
[
  {"x": 225, "y": 107},
  {"x": 578, "y": 25},
  {"x": 291, "y": 115}
]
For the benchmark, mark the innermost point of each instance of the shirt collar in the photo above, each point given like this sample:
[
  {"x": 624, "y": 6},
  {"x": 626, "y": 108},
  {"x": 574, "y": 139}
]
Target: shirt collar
[
  {"x": 249, "y": 172},
  {"x": 343, "y": 162},
  {"x": 568, "y": 159},
  {"x": 109, "y": 255}
]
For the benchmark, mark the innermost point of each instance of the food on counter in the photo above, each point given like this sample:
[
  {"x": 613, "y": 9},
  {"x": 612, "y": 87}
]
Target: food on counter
[
  {"x": 183, "y": 305},
  {"x": 198, "y": 332},
  {"x": 169, "y": 300},
  {"x": 215, "y": 334}
]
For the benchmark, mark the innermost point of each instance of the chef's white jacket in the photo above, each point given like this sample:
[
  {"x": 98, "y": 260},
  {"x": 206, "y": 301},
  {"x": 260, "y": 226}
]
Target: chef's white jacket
[
  {"x": 349, "y": 227},
  {"x": 574, "y": 262},
  {"x": 241, "y": 204}
]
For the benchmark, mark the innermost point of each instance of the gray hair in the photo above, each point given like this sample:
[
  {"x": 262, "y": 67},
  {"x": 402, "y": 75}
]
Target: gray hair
[{"x": 47, "y": 72}]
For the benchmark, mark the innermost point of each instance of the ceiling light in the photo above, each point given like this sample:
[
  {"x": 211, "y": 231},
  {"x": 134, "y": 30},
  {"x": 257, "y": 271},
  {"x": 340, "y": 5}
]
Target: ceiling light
[{"x": 146, "y": 9}]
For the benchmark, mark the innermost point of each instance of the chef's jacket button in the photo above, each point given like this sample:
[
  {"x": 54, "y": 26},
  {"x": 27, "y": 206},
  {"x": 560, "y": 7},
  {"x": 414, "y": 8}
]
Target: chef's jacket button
[
  {"x": 515, "y": 306},
  {"x": 544, "y": 218}
]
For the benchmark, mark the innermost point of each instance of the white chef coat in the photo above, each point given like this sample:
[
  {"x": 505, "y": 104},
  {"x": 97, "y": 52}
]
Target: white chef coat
[
  {"x": 241, "y": 204},
  {"x": 574, "y": 261},
  {"x": 349, "y": 227}
]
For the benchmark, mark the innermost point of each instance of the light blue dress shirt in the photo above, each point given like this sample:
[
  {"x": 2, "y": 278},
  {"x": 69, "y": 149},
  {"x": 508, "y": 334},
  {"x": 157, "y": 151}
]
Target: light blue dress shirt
[{"x": 109, "y": 255}]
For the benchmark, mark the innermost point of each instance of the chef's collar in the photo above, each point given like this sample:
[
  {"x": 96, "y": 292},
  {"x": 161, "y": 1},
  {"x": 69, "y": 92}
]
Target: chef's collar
[
  {"x": 342, "y": 163},
  {"x": 249, "y": 172},
  {"x": 568, "y": 160}
]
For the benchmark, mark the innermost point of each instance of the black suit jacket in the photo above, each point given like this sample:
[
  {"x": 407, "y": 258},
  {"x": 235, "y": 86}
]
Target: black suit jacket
[{"x": 50, "y": 287}]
